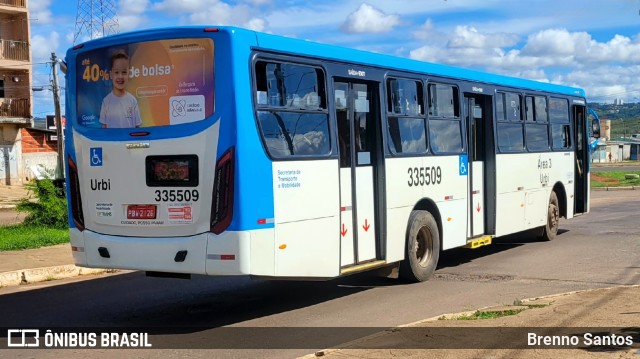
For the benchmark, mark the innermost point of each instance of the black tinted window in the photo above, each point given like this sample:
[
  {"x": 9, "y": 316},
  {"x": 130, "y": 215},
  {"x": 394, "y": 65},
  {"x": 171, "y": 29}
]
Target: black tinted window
[
  {"x": 559, "y": 110},
  {"x": 537, "y": 137},
  {"x": 445, "y": 136},
  {"x": 510, "y": 137},
  {"x": 294, "y": 133},
  {"x": 407, "y": 134},
  {"x": 289, "y": 85},
  {"x": 443, "y": 101}
]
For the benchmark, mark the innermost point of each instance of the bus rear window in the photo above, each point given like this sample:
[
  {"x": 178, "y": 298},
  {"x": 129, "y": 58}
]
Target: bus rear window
[{"x": 145, "y": 84}]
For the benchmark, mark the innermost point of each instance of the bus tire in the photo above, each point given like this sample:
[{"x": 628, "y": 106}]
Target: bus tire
[
  {"x": 550, "y": 230},
  {"x": 422, "y": 247}
]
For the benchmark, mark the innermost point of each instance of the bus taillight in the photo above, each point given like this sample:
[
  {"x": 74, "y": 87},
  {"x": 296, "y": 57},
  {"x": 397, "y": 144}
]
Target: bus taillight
[
  {"x": 76, "y": 199},
  {"x": 222, "y": 199}
]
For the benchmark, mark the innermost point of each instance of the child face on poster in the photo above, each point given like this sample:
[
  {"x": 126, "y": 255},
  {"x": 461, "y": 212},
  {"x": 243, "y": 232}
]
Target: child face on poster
[{"x": 119, "y": 75}]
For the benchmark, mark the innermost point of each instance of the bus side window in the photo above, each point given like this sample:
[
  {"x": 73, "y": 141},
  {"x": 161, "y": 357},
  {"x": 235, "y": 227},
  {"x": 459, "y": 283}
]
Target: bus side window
[
  {"x": 560, "y": 127},
  {"x": 292, "y": 114},
  {"x": 510, "y": 128},
  {"x": 445, "y": 125},
  {"x": 536, "y": 128},
  {"x": 406, "y": 123}
]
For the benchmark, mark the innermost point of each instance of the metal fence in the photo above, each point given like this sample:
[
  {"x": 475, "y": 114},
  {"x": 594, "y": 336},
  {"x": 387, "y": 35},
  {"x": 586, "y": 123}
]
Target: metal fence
[
  {"x": 14, "y": 50},
  {"x": 15, "y": 107}
]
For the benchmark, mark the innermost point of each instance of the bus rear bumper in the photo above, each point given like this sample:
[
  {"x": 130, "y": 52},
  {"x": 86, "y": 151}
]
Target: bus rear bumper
[{"x": 207, "y": 253}]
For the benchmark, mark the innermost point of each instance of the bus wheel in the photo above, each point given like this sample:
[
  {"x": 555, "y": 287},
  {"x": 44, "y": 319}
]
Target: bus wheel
[
  {"x": 422, "y": 247},
  {"x": 550, "y": 230}
]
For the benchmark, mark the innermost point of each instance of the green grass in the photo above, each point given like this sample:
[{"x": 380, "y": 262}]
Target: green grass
[
  {"x": 613, "y": 179},
  {"x": 19, "y": 236},
  {"x": 479, "y": 315}
]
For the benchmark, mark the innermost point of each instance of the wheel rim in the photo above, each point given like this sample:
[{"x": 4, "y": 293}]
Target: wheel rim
[
  {"x": 554, "y": 216},
  {"x": 423, "y": 245}
]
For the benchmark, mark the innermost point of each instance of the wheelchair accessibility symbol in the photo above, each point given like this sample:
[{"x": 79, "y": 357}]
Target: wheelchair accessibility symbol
[
  {"x": 464, "y": 162},
  {"x": 96, "y": 156}
]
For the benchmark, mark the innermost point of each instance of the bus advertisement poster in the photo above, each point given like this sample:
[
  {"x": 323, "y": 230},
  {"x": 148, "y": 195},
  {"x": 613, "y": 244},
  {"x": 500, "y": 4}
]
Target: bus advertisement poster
[{"x": 143, "y": 84}]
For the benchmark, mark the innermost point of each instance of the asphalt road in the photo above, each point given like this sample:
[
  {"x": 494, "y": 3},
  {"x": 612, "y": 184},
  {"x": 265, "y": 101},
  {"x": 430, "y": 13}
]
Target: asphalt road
[
  {"x": 615, "y": 167},
  {"x": 598, "y": 250}
]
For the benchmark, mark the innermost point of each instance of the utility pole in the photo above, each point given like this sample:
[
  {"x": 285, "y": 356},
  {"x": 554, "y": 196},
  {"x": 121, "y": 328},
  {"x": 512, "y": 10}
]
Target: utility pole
[{"x": 58, "y": 119}]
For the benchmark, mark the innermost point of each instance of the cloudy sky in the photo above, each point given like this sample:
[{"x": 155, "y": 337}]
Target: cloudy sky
[{"x": 591, "y": 44}]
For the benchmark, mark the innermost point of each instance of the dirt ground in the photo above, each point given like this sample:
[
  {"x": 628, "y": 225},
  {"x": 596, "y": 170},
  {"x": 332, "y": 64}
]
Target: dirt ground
[{"x": 605, "y": 180}]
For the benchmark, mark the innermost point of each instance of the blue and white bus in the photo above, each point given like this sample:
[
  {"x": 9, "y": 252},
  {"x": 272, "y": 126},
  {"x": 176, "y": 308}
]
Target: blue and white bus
[{"x": 224, "y": 151}]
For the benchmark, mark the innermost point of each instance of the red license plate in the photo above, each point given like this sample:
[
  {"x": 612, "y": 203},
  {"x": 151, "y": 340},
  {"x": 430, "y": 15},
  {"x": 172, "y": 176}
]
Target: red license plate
[{"x": 137, "y": 211}]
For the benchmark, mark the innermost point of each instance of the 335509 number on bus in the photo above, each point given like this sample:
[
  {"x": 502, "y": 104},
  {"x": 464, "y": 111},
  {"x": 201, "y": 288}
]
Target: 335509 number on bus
[{"x": 424, "y": 176}]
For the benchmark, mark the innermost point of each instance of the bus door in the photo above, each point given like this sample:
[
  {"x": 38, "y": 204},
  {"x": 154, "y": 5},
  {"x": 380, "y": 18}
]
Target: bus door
[
  {"x": 478, "y": 116},
  {"x": 357, "y": 116},
  {"x": 582, "y": 160}
]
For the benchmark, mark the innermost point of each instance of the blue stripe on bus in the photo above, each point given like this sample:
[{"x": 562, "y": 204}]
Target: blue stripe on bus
[
  {"x": 69, "y": 151},
  {"x": 254, "y": 179}
]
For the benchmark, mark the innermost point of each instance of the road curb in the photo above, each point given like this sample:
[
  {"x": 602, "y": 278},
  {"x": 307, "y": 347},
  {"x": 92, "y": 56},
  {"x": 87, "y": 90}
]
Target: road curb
[
  {"x": 453, "y": 316},
  {"x": 623, "y": 188},
  {"x": 27, "y": 276}
]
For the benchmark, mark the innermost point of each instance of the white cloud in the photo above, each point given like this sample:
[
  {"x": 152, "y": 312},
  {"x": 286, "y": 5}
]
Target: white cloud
[
  {"x": 580, "y": 49},
  {"x": 130, "y": 22},
  {"x": 557, "y": 42},
  {"x": 370, "y": 20},
  {"x": 219, "y": 13},
  {"x": 467, "y": 46},
  {"x": 182, "y": 6},
  {"x": 134, "y": 6},
  {"x": 256, "y": 24},
  {"x": 39, "y": 9},
  {"x": 131, "y": 14},
  {"x": 533, "y": 74},
  {"x": 470, "y": 37},
  {"x": 426, "y": 31},
  {"x": 606, "y": 82},
  {"x": 259, "y": 2},
  {"x": 208, "y": 12},
  {"x": 42, "y": 46},
  {"x": 604, "y": 69}
]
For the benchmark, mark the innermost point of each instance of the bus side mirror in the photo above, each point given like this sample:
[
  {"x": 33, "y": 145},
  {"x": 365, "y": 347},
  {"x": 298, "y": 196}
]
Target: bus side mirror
[
  {"x": 595, "y": 123},
  {"x": 595, "y": 128}
]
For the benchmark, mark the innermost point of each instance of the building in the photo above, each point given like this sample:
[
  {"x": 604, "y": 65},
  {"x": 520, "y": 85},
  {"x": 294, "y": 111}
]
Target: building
[
  {"x": 15, "y": 87},
  {"x": 40, "y": 149}
]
